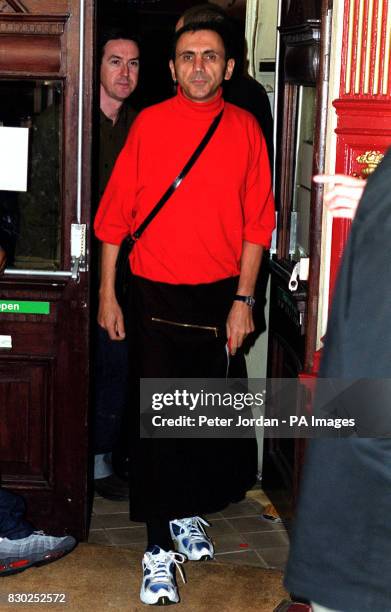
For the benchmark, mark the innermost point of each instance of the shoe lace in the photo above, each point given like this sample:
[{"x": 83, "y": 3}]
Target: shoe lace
[
  {"x": 195, "y": 525},
  {"x": 158, "y": 566}
]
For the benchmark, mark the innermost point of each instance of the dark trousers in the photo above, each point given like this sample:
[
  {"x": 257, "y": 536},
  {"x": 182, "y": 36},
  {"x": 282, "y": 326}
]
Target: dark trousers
[
  {"x": 111, "y": 392},
  {"x": 12, "y": 524},
  {"x": 184, "y": 477}
]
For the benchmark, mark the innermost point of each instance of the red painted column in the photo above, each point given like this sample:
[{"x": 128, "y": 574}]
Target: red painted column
[{"x": 364, "y": 104}]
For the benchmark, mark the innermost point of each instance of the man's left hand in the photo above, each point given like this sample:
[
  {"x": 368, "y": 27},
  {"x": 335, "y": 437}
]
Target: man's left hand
[
  {"x": 3, "y": 260},
  {"x": 239, "y": 325}
]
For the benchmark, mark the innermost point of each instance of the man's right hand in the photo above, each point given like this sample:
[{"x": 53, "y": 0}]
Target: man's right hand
[
  {"x": 3, "y": 260},
  {"x": 110, "y": 317}
]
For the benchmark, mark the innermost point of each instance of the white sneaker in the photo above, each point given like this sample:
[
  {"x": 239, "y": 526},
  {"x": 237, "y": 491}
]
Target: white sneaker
[
  {"x": 190, "y": 538},
  {"x": 158, "y": 586},
  {"x": 36, "y": 549}
]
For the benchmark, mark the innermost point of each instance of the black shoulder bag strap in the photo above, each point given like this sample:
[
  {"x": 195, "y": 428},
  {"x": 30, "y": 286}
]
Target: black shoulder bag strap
[{"x": 122, "y": 265}]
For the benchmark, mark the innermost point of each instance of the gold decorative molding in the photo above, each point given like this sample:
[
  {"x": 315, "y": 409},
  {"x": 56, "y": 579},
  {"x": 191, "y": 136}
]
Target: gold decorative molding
[
  {"x": 371, "y": 159},
  {"x": 387, "y": 52},
  {"x": 367, "y": 44},
  {"x": 349, "y": 60},
  {"x": 360, "y": 47},
  {"x": 378, "y": 49},
  {"x": 368, "y": 51}
]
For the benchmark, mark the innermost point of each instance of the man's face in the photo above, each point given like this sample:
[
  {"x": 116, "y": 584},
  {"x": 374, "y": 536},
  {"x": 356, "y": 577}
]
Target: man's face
[
  {"x": 119, "y": 68},
  {"x": 200, "y": 65}
]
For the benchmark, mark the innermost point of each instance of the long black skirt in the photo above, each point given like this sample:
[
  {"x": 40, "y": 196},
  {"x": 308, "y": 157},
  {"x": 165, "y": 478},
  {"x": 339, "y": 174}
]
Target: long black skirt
[{"x": 176, "y": 478}]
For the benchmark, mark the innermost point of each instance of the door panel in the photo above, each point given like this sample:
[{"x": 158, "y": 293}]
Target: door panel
[
  {"x": 25, "y": 388},
  {"x": 44, "y": 308}
]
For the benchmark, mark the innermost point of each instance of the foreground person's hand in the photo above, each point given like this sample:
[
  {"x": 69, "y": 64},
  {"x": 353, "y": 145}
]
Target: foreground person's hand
[{"x": 345, "y": 192}]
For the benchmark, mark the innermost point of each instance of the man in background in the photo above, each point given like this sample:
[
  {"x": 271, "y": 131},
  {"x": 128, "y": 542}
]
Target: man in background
[{"x": 119, "y": 73}]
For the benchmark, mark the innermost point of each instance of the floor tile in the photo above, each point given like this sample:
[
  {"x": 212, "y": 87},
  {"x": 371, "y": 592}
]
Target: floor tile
[
  {"x": 211, "y": 517},
  {"x": 274, "y": 557},
  {"x": 259, "y": 496},
  {"x": 228, "y": 542},
  {"x": 99, "y": 536},
  {"x": 219, "y": 526},
  {"x": 112, "y": 521},
  {"x": 244, "y": 508},
  {"x": 106, "y": 506},
  {"x": 246, "y": 557},
  {"x": 254, "y": 523},
  {"x": 97, "y": 521},
  {"x": 267, "y": 539},
  {"x": 127, "y": 536}
]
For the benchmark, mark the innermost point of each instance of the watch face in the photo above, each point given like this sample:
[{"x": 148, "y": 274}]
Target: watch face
[{"x": 250, "y": 301}]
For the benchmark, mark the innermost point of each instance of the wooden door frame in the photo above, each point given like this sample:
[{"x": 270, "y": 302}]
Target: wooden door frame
[{"x": 56, "y": 496}]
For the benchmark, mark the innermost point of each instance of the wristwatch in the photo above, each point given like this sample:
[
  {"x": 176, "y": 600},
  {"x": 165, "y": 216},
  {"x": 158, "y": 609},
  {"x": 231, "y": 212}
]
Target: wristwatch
[{"x": 247, "y": 299}]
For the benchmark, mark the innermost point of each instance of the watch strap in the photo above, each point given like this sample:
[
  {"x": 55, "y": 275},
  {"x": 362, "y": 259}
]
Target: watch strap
[{"x": 247, "y": 299}]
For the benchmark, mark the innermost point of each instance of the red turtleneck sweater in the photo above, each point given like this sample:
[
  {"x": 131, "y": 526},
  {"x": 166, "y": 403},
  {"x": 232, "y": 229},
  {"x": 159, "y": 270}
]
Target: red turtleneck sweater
[{"x": 226, "y": 198}]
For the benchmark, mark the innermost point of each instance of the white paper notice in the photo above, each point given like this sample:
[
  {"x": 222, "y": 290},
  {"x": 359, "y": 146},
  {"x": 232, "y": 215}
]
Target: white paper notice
[
  {"x": 13, "y": 158},
  {"x": 5, "y": 341}
]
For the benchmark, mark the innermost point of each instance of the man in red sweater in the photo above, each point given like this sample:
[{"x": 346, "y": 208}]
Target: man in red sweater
[{"x": 194, "y": 273}]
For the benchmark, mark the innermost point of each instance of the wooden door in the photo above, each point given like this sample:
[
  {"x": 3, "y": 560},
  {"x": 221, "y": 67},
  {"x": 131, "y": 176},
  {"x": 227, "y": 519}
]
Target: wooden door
[{"x": 45, "y": 86}]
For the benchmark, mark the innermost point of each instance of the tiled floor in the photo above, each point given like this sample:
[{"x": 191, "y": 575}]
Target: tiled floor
[{"x": 240, "y": 533}]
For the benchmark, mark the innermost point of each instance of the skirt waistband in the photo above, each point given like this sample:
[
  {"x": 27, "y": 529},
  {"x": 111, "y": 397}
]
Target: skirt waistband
[{"x": 204, "y": 304}]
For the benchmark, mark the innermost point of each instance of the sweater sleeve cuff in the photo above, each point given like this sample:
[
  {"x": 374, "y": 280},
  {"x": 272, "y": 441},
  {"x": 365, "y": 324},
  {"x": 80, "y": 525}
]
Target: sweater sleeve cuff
[
  {"x": 109, "y": 237},
  {"x": 262, "y": 237}
]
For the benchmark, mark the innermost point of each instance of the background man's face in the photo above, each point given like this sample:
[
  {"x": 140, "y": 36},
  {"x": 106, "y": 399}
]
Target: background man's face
[
  {"x": 200, "y": 65},
  {"x": 119, "y": 68}
]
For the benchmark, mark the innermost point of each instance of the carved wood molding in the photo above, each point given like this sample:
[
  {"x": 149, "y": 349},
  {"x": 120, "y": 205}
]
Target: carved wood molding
[
  {"x": 307, "y": 32},
  {"x": 17, "y": 23},
  {"x": 302, "y": 47},
  {"x": 12, "y": 6},
  {"x": 31, "y": 44}
]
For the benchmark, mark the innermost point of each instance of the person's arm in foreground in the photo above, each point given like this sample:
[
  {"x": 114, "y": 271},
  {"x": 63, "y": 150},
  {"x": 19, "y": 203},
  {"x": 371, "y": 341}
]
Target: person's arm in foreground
[
  {"x": 344, "y": 194},
  {"x": 240, "y": 319},
  {"x": 110, "y": 315}
]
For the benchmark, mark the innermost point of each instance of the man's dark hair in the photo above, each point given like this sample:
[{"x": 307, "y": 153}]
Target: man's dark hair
[
  {"x": 203, "y": 13},
  {"x": 215, "y": 26},
  {"x": 116, "y": 33}
]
